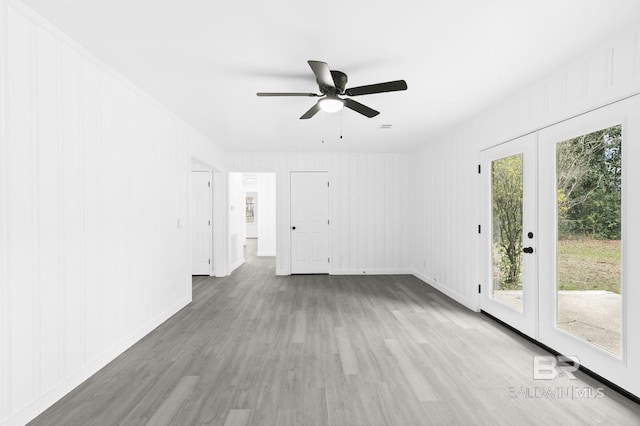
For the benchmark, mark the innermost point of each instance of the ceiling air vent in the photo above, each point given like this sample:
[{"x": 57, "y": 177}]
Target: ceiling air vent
[{"x": 384, "y": 126}]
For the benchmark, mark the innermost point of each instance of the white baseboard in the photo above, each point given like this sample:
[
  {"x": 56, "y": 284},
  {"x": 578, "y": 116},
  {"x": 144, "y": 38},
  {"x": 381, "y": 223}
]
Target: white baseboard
[
  {"x": 49, "y": 398},
  {"x": 447, "y": 292},
  {"x": 282, "y": 272},
  {"x": 266, "y": 253},
  {"x": 236, "y": 265},
  {"x": 371, "y": 272}
]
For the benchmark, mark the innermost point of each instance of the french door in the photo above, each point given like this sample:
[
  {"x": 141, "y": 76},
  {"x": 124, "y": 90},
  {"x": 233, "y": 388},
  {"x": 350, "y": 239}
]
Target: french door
[
  {"x": 559, "y": 209},
  {"x": 588, "y": 279},
  {"x": 509, "y": 233}
]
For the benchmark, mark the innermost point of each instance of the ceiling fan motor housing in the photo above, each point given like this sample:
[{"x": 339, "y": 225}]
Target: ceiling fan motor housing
[{"x": 340, "y": 81}]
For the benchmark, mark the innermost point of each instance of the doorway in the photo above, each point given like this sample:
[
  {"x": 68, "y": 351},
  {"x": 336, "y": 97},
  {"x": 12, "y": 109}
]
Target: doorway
[
  {"x": 252, "y": 215},
  {"x": 554, "y": 231}
]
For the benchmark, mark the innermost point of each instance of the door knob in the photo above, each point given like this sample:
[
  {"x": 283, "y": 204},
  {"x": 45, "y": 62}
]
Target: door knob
[
  {"x": 528, "y": 250},
  {"x": 293, "y": 227}
]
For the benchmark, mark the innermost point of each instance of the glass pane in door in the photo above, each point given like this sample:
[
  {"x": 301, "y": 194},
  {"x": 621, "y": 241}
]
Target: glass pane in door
[
  {"x": 589, "y": 249},
  {"x": 506, "y": 210}
]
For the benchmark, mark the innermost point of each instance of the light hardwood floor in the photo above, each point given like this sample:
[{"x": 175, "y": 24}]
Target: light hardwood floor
[{"x": 258, "y": 349}]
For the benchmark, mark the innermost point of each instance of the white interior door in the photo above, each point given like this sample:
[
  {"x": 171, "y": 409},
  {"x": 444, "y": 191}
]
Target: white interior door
[
  {"x": 201, "y": 235},
  {"x": 589, "y": 272},
  {"x": 309, "y": 222},
  {"x": 509, "y": 234}
]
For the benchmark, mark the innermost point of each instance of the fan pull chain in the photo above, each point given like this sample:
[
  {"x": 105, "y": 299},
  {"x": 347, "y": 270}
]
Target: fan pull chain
[
  {"x": 323, "y": 127},
  {"x": 341, "y": 122}
]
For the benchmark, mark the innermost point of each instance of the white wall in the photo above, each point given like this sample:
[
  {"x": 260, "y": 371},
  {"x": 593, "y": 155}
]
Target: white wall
[
  {"x": 369, "y": 203},
  {"x": 266, "y": 214},
  {"x": 93, "y": 181},
  {"x": 445, "y": 198},
  {"x": 444, "y": 242},
  {"x": 236, "y": 213}
]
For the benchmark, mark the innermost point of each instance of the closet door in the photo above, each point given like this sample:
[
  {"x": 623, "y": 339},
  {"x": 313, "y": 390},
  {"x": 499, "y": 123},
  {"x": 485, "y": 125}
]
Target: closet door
[{"x": 309, "y": 223}]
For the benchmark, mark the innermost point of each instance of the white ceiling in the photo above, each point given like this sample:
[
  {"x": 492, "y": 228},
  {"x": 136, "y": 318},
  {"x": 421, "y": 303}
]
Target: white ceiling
[{"x": 205, "y": 60}]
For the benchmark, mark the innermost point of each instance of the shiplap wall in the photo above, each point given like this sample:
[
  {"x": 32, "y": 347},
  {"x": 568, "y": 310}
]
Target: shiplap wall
[
  {"x": 446, "y": 200},
  {"x": 444, "y": 246},
  {"x": 369, "y": 205},
  {"x": 93, "y": 180}
]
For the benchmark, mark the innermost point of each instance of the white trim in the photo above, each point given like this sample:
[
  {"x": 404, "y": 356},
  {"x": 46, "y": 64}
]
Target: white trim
[
  {"x": 235, "y": 265},
  {"x": 447, "y": 291},
  {"x": 368, "y": 271},
  {"x": 266, "y": 253}
]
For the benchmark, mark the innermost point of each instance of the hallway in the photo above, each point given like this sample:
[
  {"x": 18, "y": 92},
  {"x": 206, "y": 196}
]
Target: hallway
[{"x": 254, "y": 348}]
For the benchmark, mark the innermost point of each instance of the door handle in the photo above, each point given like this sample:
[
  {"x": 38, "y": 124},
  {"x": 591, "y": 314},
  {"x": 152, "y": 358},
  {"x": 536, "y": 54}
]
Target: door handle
[
  {"x": 528, "y": 250},
  {"x": 293, "y": 227}
]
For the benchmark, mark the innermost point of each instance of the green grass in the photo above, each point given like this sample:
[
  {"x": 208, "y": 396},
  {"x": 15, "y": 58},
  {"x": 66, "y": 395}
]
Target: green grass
[{"x": 586, "y": 264}]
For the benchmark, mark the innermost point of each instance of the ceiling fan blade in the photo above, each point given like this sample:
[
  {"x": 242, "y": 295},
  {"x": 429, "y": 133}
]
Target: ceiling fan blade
[
  {"x": 323, "y": 74},
  {"x": 312, "y": 111},
  {"x": 358, "y": 107},
  {"x": 285, "y": 94},
  {"x": 390, "y": 86}
]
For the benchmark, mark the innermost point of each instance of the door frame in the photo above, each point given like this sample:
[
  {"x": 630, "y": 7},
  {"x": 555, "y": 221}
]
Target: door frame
[{"x": 527, "y": 320}]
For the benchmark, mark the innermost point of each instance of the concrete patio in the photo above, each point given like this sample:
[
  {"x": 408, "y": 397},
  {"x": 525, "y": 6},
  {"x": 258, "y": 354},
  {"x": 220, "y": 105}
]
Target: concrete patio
[{"x": 592, "y": 315}]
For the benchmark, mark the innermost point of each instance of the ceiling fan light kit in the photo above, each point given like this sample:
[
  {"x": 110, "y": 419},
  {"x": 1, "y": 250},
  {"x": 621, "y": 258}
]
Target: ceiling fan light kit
[
  {"x": 332, "y": 85},
  {"x": 331, "y": 104}
]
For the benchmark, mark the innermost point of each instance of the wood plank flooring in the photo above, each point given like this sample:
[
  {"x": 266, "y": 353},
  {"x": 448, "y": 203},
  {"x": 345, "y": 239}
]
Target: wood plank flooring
[{"x": 256, "y": 349}]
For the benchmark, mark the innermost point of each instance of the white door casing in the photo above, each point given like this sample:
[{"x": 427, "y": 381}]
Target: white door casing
[
  {"x": 201, "y": 226},
  {"x": 309, "y": 223}
]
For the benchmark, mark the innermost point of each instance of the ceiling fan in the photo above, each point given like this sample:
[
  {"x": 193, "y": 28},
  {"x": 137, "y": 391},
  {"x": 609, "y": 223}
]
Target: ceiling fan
[{"x": 332, "y": 86}]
